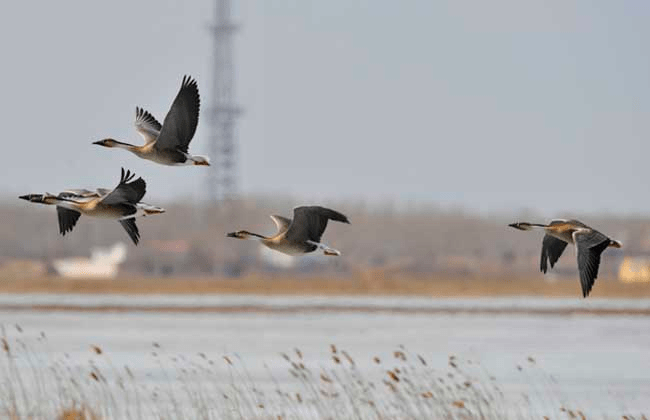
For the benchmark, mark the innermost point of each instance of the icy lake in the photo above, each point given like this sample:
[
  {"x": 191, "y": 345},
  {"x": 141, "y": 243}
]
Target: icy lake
[{"x": 598, "y": 362}]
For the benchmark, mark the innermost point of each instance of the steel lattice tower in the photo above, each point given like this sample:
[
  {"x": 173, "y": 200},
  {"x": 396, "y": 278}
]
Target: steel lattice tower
[{"x": 223, "y": 112}]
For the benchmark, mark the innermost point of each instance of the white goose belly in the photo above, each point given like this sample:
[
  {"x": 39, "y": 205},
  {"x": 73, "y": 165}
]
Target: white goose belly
[{"x": 287, "y": 247}]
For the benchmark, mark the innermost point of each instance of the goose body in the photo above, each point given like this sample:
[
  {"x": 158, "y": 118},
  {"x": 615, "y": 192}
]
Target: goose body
[
  {"x": 123, "y": 203},
  {"x": 301, "y": 235},
  {"x": 167, "y": 143},
  {"x": 589, "y": 244}
]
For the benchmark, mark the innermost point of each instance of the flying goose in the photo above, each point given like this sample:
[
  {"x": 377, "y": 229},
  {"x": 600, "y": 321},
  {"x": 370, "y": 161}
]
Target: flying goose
[
  {"x": 300, "y": 235},
  {"x": 589, "y": 245},
  {"x": 122, "y": 204},
  {"x": 167, "y": 144}
]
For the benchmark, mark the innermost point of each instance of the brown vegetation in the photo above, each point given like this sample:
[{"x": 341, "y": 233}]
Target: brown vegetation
[
  {"x": 204, "y": 386},
  {"x": 359, "y": 284},
  {"x": 74, "y": 413}
]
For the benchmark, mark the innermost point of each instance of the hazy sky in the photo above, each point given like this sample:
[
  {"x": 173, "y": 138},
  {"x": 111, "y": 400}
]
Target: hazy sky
[{"x": 492, "y": 105}]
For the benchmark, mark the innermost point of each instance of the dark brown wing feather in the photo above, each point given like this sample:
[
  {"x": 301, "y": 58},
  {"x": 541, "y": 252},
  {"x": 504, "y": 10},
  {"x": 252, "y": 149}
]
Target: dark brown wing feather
[
  {"x": 131, "y": 228},
  {"x": 67, "y": 219},
  {"x": 590, "y": 245},
  {"x": 309, "y": 223},
  {"x": 180, "y": 122},
  {"x": 552, "y": 249},
  {"x": 127, "y": 191}
]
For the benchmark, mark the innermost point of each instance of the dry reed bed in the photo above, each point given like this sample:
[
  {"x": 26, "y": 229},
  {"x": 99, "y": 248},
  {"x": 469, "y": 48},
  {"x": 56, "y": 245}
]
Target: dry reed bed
[
  {"x": 402, "y": 385},
  {"x": 360, "y": 284}
]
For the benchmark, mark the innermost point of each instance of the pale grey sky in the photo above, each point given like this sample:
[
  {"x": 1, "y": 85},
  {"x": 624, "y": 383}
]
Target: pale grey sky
[{"x": 491, "y": 105}]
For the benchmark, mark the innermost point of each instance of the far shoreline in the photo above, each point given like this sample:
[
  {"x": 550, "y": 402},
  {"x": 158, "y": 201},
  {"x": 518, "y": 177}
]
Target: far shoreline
[{"x": 380, "y": 285}]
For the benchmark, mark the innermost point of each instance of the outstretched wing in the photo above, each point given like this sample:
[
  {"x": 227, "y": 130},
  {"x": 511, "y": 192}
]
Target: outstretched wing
[
  {"x": 146, "y": 125},
  {"x": 309, "y": 223},
  {"x": 67, "y": 219},
  {"x": 131, "y": 228},
  {"x": 552, "y": 249},
  {"x": 590, "y": 244},
  {"x": 103, "y": 191},
  {"x": 78, "y": 193},
  {"x": 127, "y": 191},
  {"x": 281, "y": 222},
  {"x": 181, "y": 120}
]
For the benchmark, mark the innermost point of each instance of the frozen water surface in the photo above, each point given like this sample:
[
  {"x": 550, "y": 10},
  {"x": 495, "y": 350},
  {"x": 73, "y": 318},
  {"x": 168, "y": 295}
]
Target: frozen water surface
[{"x": 600, "y": 362}]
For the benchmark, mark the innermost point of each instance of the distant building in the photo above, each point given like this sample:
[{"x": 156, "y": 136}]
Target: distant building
[
  {"x": 103, "y": 263},
  {"x": 634, "y": 270}
]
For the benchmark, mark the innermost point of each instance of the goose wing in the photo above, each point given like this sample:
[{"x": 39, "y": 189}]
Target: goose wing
[
  {"x": 552, "y": 249},
  {"x": 67, "y": 219},
  {"x": 147, "y": 125},
  {"x": 131, "y": 228},
  {"x": 78, "y": 196},
  {"x": 180, "y": 123},
  {"x": 103, "y": 191},
  {"x": 78, "y": 193},
  {"x": 310, "y": 222},
  {"x": 590, "y": 244},
  {"x": 282, "y": 223},
  {"x": 127, "y": 191}
]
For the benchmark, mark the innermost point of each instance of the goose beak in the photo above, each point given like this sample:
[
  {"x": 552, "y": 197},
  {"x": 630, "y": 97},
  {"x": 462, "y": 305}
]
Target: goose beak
[
  {"x": 519, "y": 226},
  {"x": 36, "y": 198},
  {"x": 231, "y": 235}
]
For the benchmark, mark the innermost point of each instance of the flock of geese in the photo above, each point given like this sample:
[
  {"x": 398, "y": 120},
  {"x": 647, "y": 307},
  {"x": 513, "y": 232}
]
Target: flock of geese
[{"x": 168, "y": 144}]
